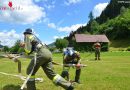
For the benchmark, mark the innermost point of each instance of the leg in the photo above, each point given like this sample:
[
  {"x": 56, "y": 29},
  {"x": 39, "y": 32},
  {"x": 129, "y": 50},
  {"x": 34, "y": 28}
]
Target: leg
[
  {"x": 77, "y": 75},
  {"x": 98, "y": 54},
  {"x": 57, "y": 79},
  {"x": 95, "y": 55}
]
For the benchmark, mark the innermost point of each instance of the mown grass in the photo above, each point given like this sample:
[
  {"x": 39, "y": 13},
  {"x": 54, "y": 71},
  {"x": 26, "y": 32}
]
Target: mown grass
[{"x": 112, "y": 72}]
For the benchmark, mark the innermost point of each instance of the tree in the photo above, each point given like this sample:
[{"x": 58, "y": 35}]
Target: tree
[
  {"x": 20, "y": 50},
  {"x": 91, "y": 17},
  {"x": 94, "y": 27},
  {"x": 61, "y": 43},
  {"x": 16, "y": 47},
  {"x": 122, "y": 10},
  {"x": 5, "y": 48}
]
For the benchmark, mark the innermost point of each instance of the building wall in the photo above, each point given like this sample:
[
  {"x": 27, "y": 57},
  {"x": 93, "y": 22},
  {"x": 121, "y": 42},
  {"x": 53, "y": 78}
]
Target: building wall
[{"x": 89, "y": 46}]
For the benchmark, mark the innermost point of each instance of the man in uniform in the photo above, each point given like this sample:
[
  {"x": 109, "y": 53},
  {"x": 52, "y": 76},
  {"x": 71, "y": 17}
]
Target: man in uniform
[
  {"x": 71, "y": 57},
  {"x": 44, "y": 59},
  {"x": 97, "y": 47}
]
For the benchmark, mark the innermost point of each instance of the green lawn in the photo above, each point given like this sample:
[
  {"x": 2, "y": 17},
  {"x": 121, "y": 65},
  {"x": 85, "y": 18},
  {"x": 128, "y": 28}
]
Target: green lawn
[{"x": 112, "y": 72}]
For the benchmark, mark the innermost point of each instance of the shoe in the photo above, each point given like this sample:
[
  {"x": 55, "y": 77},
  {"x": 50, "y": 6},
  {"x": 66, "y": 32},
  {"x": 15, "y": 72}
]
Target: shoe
[
  {"x": 70, "y": 88},
  {"x": 39, "y": 79}
]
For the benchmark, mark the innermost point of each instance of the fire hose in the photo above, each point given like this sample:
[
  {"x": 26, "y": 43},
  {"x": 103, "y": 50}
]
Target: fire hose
[
  {"x": 11, "y": 56},
  {"x": 25, "y": 82},
  {"x": 69, "y": 65}
]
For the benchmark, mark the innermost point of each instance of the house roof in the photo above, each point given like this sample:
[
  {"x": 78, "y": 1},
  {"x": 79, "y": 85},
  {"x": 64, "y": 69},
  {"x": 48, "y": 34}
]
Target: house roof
[{"x": 90, "y": 38}]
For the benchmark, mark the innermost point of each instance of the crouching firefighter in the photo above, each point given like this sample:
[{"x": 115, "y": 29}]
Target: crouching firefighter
[
  {"x": 43, "y": 58},
  {"x": 71, "y": 57}
]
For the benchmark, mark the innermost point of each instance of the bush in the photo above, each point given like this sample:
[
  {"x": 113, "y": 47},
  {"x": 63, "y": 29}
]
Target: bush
[
  {"x": 104, "y": 47},
  {"x": 121, "y": 49},
  {"x": 128, "y": 49}
]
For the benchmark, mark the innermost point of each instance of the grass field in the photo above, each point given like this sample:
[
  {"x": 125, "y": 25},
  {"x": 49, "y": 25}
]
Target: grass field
[{"x": 112, "y": 72}]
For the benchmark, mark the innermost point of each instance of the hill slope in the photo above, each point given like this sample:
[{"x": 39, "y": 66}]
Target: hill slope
[{"x": 114, "y": 22}]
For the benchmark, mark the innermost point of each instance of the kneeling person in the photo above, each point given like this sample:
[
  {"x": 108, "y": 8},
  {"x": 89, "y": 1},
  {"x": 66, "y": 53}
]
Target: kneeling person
[{"x": 71, "y": 57}]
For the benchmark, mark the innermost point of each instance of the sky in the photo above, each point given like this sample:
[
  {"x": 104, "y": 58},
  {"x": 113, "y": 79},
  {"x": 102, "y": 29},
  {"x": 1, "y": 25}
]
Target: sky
[{"x": 49, "y": 19}]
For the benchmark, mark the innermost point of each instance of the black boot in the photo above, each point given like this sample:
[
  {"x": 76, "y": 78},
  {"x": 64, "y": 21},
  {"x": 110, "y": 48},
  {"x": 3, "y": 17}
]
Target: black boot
[
  {"x": 77, "y": 76},
  {"x": 70, "y": 88},
  {"x": 65, "y": 74},
  {"x": 31, "y": 85}
]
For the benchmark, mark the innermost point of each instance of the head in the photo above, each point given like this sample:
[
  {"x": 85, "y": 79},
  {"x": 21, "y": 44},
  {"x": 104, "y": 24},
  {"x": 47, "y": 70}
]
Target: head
[
  {"x": 97, "y": 41},
  {"x": 28, "y": 46},
  {"x": 28, "y": 31},
  {"x": 67, "y": 49}
]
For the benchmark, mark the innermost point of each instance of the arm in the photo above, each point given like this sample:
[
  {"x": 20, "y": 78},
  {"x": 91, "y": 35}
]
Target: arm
[
  {"x": 99, "y": 46},
  {"x": 78, "y": 65},
  {"x": 78, "y": 58},
  {"x": 93, "y": 46},
  {"x": 34, "y": 44}
]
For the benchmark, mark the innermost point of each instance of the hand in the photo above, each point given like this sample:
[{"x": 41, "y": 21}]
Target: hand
[
  {"x": 78, "y": 66},
  {"x": 22, "y": 44}
]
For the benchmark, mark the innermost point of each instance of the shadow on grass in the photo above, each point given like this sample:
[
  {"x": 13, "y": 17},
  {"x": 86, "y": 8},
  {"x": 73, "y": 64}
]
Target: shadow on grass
[
  {"x": 12, "y": 87},
  {"x": 92, "y": 60},
  {"x": 1, "y": 57}
]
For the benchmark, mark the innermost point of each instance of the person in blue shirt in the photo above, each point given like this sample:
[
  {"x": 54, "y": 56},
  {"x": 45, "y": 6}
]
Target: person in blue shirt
[{"x": 71, "y": 56}]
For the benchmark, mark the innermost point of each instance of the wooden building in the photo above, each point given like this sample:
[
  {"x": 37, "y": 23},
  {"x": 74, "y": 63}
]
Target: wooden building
[{"x": 85, "y": 42}]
